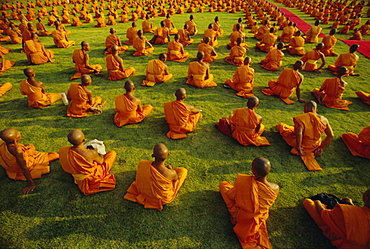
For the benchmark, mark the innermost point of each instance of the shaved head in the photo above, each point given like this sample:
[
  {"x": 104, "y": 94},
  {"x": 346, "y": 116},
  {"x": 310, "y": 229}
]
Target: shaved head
[
  {"x": 310, "y": 106},
  {"x": 163, "y": 57},
  {"x": 200, "y": 56},
  {"x": 253, "y": 102},
  {"x": 112, "y": 30},
  {"x": 298, "y": 65},
  {"x": 280, "y": 46},
  {"x": 76, "y": 137},
  {"x": 342, "y": 71},
  {"x": 319, "y": 46},
  {"x": 261, "y": 167},
  {"x": 85, "y": 79},
  {"x": 206, "y": 40},
  {"x": 9, "y": 135},
  {"x": 114, "y": 48},
  {"x": 353, "y": 48},
  {"x": 29, "y": 72},
  {"x": 247, "y": 60},
  {"x": 129, "y": 86},
  {"x": 180, "y": 93},
  {"x": 160, "y": 152}
]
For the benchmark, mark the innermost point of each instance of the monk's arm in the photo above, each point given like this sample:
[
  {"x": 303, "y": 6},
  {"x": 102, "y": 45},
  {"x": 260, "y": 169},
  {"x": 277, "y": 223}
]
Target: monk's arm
[
  {"x": 165, "y": 70},
  {"x": 45, "y": 53},
  {"x": 119, "y": 41},
  {"x": 319, "y": 206},
  {"x": 89, "y": 95},
  {"x": 207, "y": 74},
  {"x": 120, "y": 61},
  {"x": 86, "y": 60},
  {"x": 299, "y": 136},
  {"x": 139, "y": 106},
  {"x": 192, "y": 108},
  {"x": 149, "y": 44},
  {"x": 329, "y": 136},
  {"x": 18, "y": 153},
  {"x": 258, "y": 127},
  {"x": 322, "y": 56}
]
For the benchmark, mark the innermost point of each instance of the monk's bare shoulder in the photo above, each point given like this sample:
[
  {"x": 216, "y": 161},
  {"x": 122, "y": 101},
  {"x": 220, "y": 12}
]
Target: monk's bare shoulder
[
  {"x": 274, "y": 187},
  {"x": 14, "y": 149},
  {"x": 323, "y": 119}
]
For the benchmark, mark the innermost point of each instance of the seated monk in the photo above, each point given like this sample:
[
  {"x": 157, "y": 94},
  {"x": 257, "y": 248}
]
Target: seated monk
[
  {"x": 242, "y": 81},
  {"x": 82, "y": 102},
  {"x": 169, "y": 25},
  {"x": 5, "y": 64},
  {"x": 128, "y": 108},
  {"x": 113, "y": 39},
  {"x": 211, "y": 34},
  {"x": 217, "y": 27},
  {"x": 356, "y": 35},
  {"x": 235, "y": 35},
  {"x": 210, "y": 54},
  {"x": 348, "y": 60},
  {"x": 100, "y": 21},
  {"x": 124, "y": 18},
  {"x": 76, "y": 21},
  {"x": 115, "y": 66},
  {"x": 268, "y": 41},
  {"x": 60, "y": 37},
  {"x": 296, "y": 45},
  {"x": 245, "y": 125},
  {"x": 175, "y": 50},
  {"x": 273, "y": 59},
  {"x": 131, "y": 34},
  {"x": 4, "y": 50},
  {"x": 36, "y": 52},
  {"x": 248, "y": 202},
  {"x": 89, "y": 169},
  {"x": 359, "y": 145},
  {"x": 81, "y": 60},
  {"x": 23, "y": 162},
  {"x": 262, "y": 30},
  {"x": 156, "y": 184},
  {"x": 184, "y": 36},
  {"x": 161, "y": 35},
  {"x": 111, "y": 20},
  {"x": 305, "y": 136},
  {"x": 346, "y": 225},
  {"x": 41, "y": 28},
  {"x": 198, "y": 73},
  {"x": 14, "y": 34},
  {"x": 157, "y": 71},
  {"x": 331, "y": 92},
  {"x": 192, "y": 27},
  {"x": 364, "y": 96},
  {"x": 312, "y": 35},
  {"x": 311, "y": 57},
  {"x": 237, "y": 53},
  {"x": 287, "y": 34},
  {"x": 181, "y": 117},
  {"x": 140, "y": 43},
  {"x": 147, "y": 25},
  {"x": 35, "y": 91},
  {"x": 4, "y": 88},
  {"x": 284, "y": 85},
  {"x": 329, "y": 42}
]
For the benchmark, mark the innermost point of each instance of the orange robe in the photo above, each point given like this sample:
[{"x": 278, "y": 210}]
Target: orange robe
[
  {"x": 234, "y": 36},
  {"x": 212, "y": 36},
  {"x": 310, "y": 59},
  {"x": 42, "y": 30},
  {"x": 36, "y": 98},
  {"x": 131, "y": 34},
  {"x": 174, "y": 52},
  {"x": 248, "y": 202},
  {"x": 284, "y": 85},
  {"x": 329, "y": 43},
  {"x": 36, "y": 162},
  {"x": 242, "y": 81},
  {"x": 180, "y": 119},
  {"x": 260, "y": 32},
  {"x": 155, "y": 72},
  {"x": 273, "y": 60},
  {"x": 364, "y": 96},
  {"x": 359, "y": 145},
  {"x": 196, "y": 75},
  {"x": 237, "y": 56},
  {"x": 128, "y": 113},
  {"x": 243, "y": 126},
  {"x": 217, "y": 28},
  {"x": 348, "y": 60},
  {"x": 331, "y": 92},
  {"x": 100, "y": 22},
  {"x": 60, "y": 39},
  {"x": 113, "y": 67},
  {"x": 8, "y": 64},
  {"x": 76, "y": 21},
  {"x": 167, "y": 24},
  {"x": 147, "y": 27},
  {"x": 312, "y": 35},
  {"x": 313, "y": 127},
  {"x": 287, "y": 34},
  {"x": 346, "y": 226},
  {"x": 296, "y": 45},
  {"x": 139, "y": 45},
  {"x": 151, "y": 188},
  {"x": 207, "y": 50},
  {"x": 183, "y": 37},
  {"x": 267, "y": 43},
  {"x": 4, "y": 88},
  {"x": 113, "y": 39},
  {"x": 79, "y": 60},
  {"x": 91, "y": 178},
  {"x": 191, "y": 27},
  {"x": 161, "y": 34},
  {"x": 34, "y": 50},
  {"x": 14, "y": 37}
]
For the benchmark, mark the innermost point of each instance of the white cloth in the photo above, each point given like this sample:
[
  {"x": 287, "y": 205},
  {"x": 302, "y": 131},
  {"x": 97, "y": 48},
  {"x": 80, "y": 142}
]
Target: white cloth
[{"x": 97, "y": 145}]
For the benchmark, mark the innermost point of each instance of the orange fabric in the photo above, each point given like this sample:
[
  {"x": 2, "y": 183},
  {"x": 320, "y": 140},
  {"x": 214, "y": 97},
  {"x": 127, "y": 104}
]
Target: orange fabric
[
  {"x": 151, "y": 188},
  {"x": 312, "y": 35},
  {"x": 212, "y": 35},
  {"x": 237, "y": 56},
  {"x": 8, "y": 64},
  {"x": 174, "y": 52},
  {"x": 248, "y": 202},
  {"x": 100, "y": 22},
  {"x": 234, "y": 36},
  {"x": 161, "y": 34},
  {"x": 217, "y": 28},
  {"x": 331, "y": 92},
  {"x": 36, "y": 98},
  {"x": 312, "y": 55},
  {"x": 79, "y": 60},
  {"x": 127, "y": 111},
  {"x": 287, "y": 34},
  {"x": 243, "y": 125},
  {"x": 273, "y": 60},
  {"x": 260, "y": 32},
  {"x": 242, "y": 81},
  {"x": 167, "y": 24},
  {"x": 113, "y": 39},
  {"x": 191, "y": 27},
  {"x": 183, "y": 37},
  {"x": 296, "y": 45},
  {"x": 42, "y": 30},
  {"x": 348, "y": 60},
  {"x": 147, "y": 27},
  {"x": 364, "y": 96},
  {"x": 313, "y": 127},
  {"x": 267, "y": 43},
  {"x": 60, "y": 39},
  {"x": 113, "y": 67},
  {"x": 139, "y": 45},
  {"x": 34, "y": 50},
  {"x": 36, "y": 162},
  {"x": 131, "y": 34},
  {"x": 4, "y": 51},
  {"x": 14, "y": 37},
  {"x": 329, "y": 43},
  {"x": 4, "y": 88},
  {"x": 358, "y": 145},
  {"x": 180, "y": 119},
  {"x": 91, "y": 178},
  {"x": 76, "y": 21},
  {"x": 155, "y": 72},
  {"x": 207, "y": 50},
  {"x": 196, "y": 75}
]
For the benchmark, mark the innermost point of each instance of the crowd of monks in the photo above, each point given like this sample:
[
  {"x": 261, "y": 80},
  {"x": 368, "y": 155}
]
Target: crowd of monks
[{"x": 156, "y": 183}]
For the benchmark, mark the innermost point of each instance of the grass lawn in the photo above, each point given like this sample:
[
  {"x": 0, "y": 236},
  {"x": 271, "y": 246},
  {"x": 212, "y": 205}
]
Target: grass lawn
[{"x": 58, "y": 215}]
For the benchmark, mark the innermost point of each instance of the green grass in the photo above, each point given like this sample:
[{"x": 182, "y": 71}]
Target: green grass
[{"x": 58, "y": 215}]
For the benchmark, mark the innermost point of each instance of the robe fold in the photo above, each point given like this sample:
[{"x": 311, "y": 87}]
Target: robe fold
[
  {"x": 236, "y": 56},
  {"x": 348, "y": 60},
  {"x": 183, "y": 37},
  {"x": 287, "y": 34},
  {"x": 155, "y": 73},
  {"x": 79, "y": 60},
  {"x": 364, "y": 96},
  {"x": 42, "y": 30},
  {"x": 147, "y": 27},
  {"x": 310, "y": 59},
  {"x": 196, "y": 75},
  {"x": 34, "y": 50},
  {"x": 329, "y": 43},
  {"x": 312, "y": 35},
  {"x": 359, "y": 145},
  {"x": 141, "y": 50},
  {"x": 8, "y": 64},
  {"x": 36, "y": 98},
  {"x": 267, "y": 43},
  {"x": 60, "y": 39},
  {"x": 212, "y": 36},
  {"x": 174, "y": 52},
  {"x": 207, "y": 50},
  {"x": 161, "y": 34},
  {"x": 273, "y": 60},
  {"x": 113, "y": 67},
  {"x": 131, "y": 34},
  {"x": 242, "y": 81},
  {"x": 296, "y": 45},
  {"x": 4, "y": 88},
  {"x": 113, "y": 39}
]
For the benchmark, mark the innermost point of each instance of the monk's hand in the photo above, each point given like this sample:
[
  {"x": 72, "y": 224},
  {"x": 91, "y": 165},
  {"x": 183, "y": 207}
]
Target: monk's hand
[
  {"x": 318, "y": 151},
  {"x": 30, "y": 187},
  {"x": 301, "y": 151},
  {"x": 169, "y": 167}
]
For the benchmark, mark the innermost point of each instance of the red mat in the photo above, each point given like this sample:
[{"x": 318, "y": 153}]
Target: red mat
[{"x": 364, "y": 46}]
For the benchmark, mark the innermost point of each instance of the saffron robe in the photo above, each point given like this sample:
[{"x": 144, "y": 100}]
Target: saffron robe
[
  {"x": 147, "y": 27},
  {"x": 79, "y": 60},
  {"x": 139, "y": 45},
  {"x": 113, "y": 39},
  {"x": 348, "y": 60},
  {"x": 155, "y": 72},
  {"x": 161, "y": 33},
  {"x": 183, "y": 37},
  {"x": 310, "y": 59},
  {"x": 60, "y": 39},
  {"x": 36, "y": 98},
  {"x": 273, "y": 60},
  {"x": 312, "y": 35},
  {"x": 287, "y": 34},
  {"x": 131, "y": 34},
  {"x": 364, "y": 96},
  {"x": 267, "y": 43},
  {"x": 359, "y": 145},
  {"x": 242, "y": 81},
  {"x": 42, "y": 30},
  {"x": 236, "y": 56},
  {"x": 14, "y": 37},
  {"x": 196, "y": 75},
  {"x": 191, "y": 27},
  {"x": 34, "y": 51},
  {"x": 329, "y": 43},
  {"x": 207, "y": 50},
  {"x": 212, "y": 36},
  {"x": 113, "y": 67},
  {"x": 151, "y": 188},
  {"x": 296, "y": 45},
  {"x": 4, "y": 88},
  {"x": 174, "y": 52},
  {"x": 7, "y": 64}
]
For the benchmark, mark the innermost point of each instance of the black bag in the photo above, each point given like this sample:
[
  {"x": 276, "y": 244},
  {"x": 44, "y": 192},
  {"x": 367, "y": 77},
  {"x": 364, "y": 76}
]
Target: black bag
[{"x": 328, "y": 199}]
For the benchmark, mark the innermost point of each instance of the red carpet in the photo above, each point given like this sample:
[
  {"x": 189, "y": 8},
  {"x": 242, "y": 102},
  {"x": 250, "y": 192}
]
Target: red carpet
[{"x": 364, "y": 46}]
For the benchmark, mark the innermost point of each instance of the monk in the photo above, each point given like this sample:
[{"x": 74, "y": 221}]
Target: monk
[
  {"x": 184, "y": 36},
  {"x": 157, "y": 71},
  {"x": 156, "y": 184},
  {"x": 131, "y": 34},
  {"x": 358, "y": 145},
  {"x": 41, "y": 28},
  {"x": 356, "y": 35},
  {"x": 115, "y": 66},
  {"x": 198, "y": 73},
  {"x": 331, "y": 92},
  {"x": 60, "y": 37},
  {"x": 212, "y": 35},
  {"x": 23, "y": 162},
  {"x": 288, "y": 33},
  {"x": 305, "y": 136},
  {"x": 237, "y": 54},
  {"x": 296, "y": 45},
  {"x": 249, "y": 201},
  {"x": 217, "y": 27},
  {"x": 192, "y": 27},
  {"x": 113, "y": 39},
  {"x": 348, "y": 60},
  {"x": 210, "y": 54},
  {"x": 169, "y": 25},
  {"x": 242, "y": 81},
  {"x": 76, "y": 21},
  {"x": 268, "y": 41},
  {"x": 262, "y": 30},
  {"x": 161, "y": 35},
  {"x": 82, "y": 101},
  {"x": 346, "y": 225},
  {"x": 181, "y": 117},
  {"x": 89, "y": 169},
  {"x": 5, "y": 88},
  {"x": 311, "y": 57},
  {"x": 36, "y": 52},
  {"x": 5, "y": 64},
  {"x": 175, "y": 50},
  {"x": 235, "y": 35},
  {"x": 140, "y": 43},
  {"x": 128, "y": 108},
  {"x": 364, "y": 96},
  {"x": 312, "y": 35},
  {"x": 147, "y": 25},
  {"x": 14, "y": 34},
  {"x": 81, "y": 59},
  {"x": 329, "y": 42},
  {"x": 273, "y": 59},
  {"x": 100, "y": 21},
  {"x": 35, "y": 91},
  {"x": 284, "y": 85}
]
